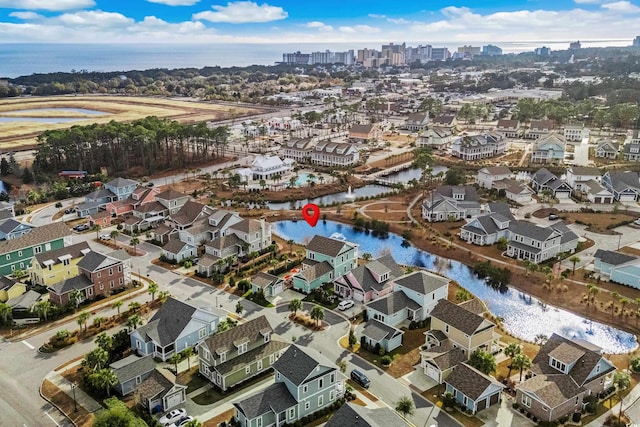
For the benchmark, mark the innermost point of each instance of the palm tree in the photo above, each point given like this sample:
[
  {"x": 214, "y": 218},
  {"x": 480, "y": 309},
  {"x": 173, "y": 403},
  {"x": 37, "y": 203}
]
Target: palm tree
[
  {"x": 95, "y": 359},
  {"x": 75, "y": 295},
  {"x": 623, "y": 301},
  {"x": 117, "y": 305},
  {"x": 463, "y": 295},
  {"x": 621, "y": 381},
  {"x": 186, "y": 354},
  {"x": 104, "y": 341},
  {"x": 19, "y": 274},
  {"x": 294, "y": 306},
  {"x": 239, "y": 309},
  {"x": 317, "y": 314},
  {"x": 290, "y": 242},
  {"x": 114, "y": 234},
  {"x": 593, "y": 290},
  {"x": 133, "y": 306},
  {"x": 5, "y": 312},
  {"x": 367, "y": 256},
  {"x": 253, "y": 255},
  {"x": 82, "y": 320},
  {"x": 511, "y": 350},
  {"x": 152, "y": 289},
  {"x": 104, "y": 379},
  {"x": 97, "y": 321},
  {"x": 175, "y": 358},
  {"x": 96, "y": 228},
  {"x": 273, "y": 263},
  {"x": 321, "y": 179},
  {"x": 134, "y": 242},
  {"x": 134, "y": 321},
  {"x": 405, "y": 406},
  {"x": 614, "y": 297},
  {"x": 43, "y": 308},
  {"x": 521, "y": 361},
  {"x": 540, "y": 339},
  {"x": 574, "y": 260},
  {"x": 163, "y": 296}
]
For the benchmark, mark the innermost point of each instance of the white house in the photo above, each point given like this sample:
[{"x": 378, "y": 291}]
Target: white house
[
  {"x": 575, "y": 132},
  {"x": 487, "y": 176},
  {"x": 266, "y": 167},
  {"x": 437, "y": 138},
  {"x": 578, "y": 176}
]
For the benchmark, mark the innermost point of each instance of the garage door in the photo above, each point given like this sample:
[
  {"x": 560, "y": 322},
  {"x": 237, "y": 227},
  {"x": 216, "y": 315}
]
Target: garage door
[
  {"x": 278, "y": 288},
  {"x": 627, "y": 197},
  {"x": 597, "y": 200},
  {"x": 495, "y": 398},
  {"x": 433, "y": 373},
  {"x": 481, "y": 405},
  {"x": 174, "y": 400},
  {"x": 562, "y": 195}
]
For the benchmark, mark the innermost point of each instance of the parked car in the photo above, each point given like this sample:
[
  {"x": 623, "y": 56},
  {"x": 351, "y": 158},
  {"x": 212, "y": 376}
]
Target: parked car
[
  {"x": 81, "y": 227},
  {"x": 553, "y": 217},
  {"x": 149, "y": 184},
  {"x": 637, "y": 221},
  {"x": 173, "y": 416},
  {"x": 345, "y": 304},
  {"x": 105, "y": 236},
  {"x": 182, "y": 421},
  {"x": 360, "y": 378}
]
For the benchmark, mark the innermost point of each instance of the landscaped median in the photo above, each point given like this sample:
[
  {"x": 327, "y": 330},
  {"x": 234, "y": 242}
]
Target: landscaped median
[{"x": 65, "y": 404}]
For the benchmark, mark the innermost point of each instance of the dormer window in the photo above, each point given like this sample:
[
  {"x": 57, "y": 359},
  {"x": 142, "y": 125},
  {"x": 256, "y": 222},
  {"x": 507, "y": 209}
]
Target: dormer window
[
  {"x": 384, "y": 277},
  {"x": 558, "y": 365},
  {"x": 267, "y": 337},
  {"x": 242, "y": 348}
]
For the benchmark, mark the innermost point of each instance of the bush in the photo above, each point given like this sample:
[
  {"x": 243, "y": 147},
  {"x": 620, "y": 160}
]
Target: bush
[
  {"x": 381, "y": 351},
  {"x": 515, "y": 405},
  {"x": 564, "y": 419},
  {"x": 576, "y": 417},
  {"x": 448, "y": 400},
  {"x": 386, "y": 360}
]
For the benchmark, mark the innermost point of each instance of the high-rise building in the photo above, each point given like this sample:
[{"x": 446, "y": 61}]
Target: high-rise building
[
  {"x": 468, "y": 51},
  {"x": 393, "y": 54},
  {"x": 296, "y": 58},
  {"x": 491, "y": 50},
  {"x": 574, "y": 45},
  {"x": 439, "y": 54},
  {"x": 636, "y": 41},
  {"x": 328, "y": 57},
  {"x": 543, "y": 51},
  {"x": 420, "y": 53}
]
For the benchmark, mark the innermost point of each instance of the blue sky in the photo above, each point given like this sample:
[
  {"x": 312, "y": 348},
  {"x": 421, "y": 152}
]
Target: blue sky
[{"x": 594, "y": 22}]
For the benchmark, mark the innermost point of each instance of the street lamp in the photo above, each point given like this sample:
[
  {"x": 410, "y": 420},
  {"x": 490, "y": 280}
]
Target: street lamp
[{"x": 75, "y": 402}]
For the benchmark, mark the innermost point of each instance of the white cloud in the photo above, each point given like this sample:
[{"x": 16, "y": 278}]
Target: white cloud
[
  {"x": 175, "y": 2},
  {"x": 621, "y": 6},
  {"x": 359, "y": 29},
  {"x": 26, "y": 16},
  {"x": 321, "y": 26},
  {"x": 588, "y": 1},
  {"x": 399, "y": 21},
  {"x": 93, "y": 18},
  {"x": 241, "y": 12},
  {"x": 54, "y": 5}
]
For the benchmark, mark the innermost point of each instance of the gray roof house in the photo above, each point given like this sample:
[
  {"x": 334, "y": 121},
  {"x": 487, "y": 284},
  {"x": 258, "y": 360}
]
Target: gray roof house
[
  {"x": 537, "y": 244},
  {"x": 473, "y": 389},
  {"x": 451, "y": 202},
  {"x": 175, "y": 326},
  {"x": 486, "y": 229},
  {"x": 624, "y": 185},
  {"x": 160, "y": 392},
  {"x": 305, "y": 382},
  {"x": 131, "y": 372},
  {"x": 353, "y": 415},
  {"x": 369, "y": 281},
  {"x": 387, "y": 336},
  {"x": 268, "y": 284},
  {"x": 606, "y": 149}
]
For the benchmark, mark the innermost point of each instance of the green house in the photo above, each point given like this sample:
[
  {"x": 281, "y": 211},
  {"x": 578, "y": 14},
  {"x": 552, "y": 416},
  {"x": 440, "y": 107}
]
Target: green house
[
  {"x": 16, "y": 254},
  {"x": 326, "y": 259}
]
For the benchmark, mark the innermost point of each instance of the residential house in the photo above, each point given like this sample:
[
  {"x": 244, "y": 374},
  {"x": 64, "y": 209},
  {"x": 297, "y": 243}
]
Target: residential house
[
  {"x": 565, "y": 371},
  {"x": 268, "y": 284},
  {"x": 98, "y": 274},
  {"x": 160, "y": 392},
  {"x": 6, "y": 210},
  {"x": 447, "y": 121},
  {"x": 439, "y": 361},
  {"x": 487, "y": 229},
  {"x": 606, "y": 149},
  {"x": 508, "y": 128},
  {"x": 239, "y": 354},
  {"x": 122, "y": 188},
  {"x": 548, "y": 149},
  {"x": 369, "y": 281},
  {"x": 138, "y": 198},
  {"x": 514, "y": 190},
  {"x": 327, "y": 153},
  {"x": 578, "y": 176},
  {"x": 575, "y": 133},
  {"x": 473, "y": 389},
  {"x": 437, "y": 138},
  {"x": 631, "y": 151},
  {"x": 617, "y": 267},
  {"x": 11, "y": 229},
  {"x": 298, "y": 149},
  {"x": 543, "y": 180},
  {"x": 172, "y": 200},
  {"x": 101, "y": 218},
  {"x": 413, "y": 298},
  {"x": 596, "y": 193},
  {"x": 17, "y": 253},
  {"x": 539, "y": 129},
  {"x": 386, "y": 336},
  {"x": 476, "y": 147},
  {"x": 487, "y": 176},
  {"x": 175, "y": 326},
  {"x": 145, "y": 216},
  {"x": 131, "y": 372},
  {"x": 188, "y": 214},
  {"x": 538, "y": 244},
  {"x": 363, "y": 134},
  {"x": 305, "y": 382},
  {"x": 10, "y": 288},
  {"x": 451, "y": 202},
  {"x": 49, "y": 268},
  {"x": 624, "y": 185},
  {"x": 178, "y": 251},
  {"x": 417, "y": 122},
  {"x": 351, "y": 414},
  {"x": 325, "y": 260},
  {"x": 25, "y": 302},
  {"x": 95, "y": 201},
  {"x": 267, "y": 167}
]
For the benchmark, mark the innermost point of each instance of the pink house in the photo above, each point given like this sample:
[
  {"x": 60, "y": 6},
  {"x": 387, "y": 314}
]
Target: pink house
[
  {"x": 139, "y": 197},
  {"x": 370, "y": 281}
]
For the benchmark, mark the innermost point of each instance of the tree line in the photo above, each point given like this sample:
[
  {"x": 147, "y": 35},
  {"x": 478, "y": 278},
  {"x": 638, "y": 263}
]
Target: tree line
[{"x": 140, "y": 147}]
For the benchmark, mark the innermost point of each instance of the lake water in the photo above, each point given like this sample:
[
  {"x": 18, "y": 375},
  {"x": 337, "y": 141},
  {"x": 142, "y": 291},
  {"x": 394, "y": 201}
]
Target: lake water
[
  {"x": 63, "y": 109},
  {"x": 366, "y": 191},
  {"x": 407, "y": 175},
  {"x": 49, "y": 120},
  {"x": 523, "y": 315}
]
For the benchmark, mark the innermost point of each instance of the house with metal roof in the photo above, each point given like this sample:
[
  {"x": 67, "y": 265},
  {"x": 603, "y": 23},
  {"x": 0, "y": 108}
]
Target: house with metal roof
[{"x": 326, "y": 259}]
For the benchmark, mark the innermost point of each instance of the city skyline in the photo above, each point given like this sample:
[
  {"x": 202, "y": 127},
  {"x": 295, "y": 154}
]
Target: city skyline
[{"x": 452, "y": 23}]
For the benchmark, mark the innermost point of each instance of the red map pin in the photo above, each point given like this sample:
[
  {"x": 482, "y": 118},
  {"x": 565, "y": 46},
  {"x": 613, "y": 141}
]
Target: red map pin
[{"x": 311, "y": 214}]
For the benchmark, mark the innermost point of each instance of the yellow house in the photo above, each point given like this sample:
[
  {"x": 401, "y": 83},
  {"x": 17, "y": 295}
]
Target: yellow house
[
  {"x": 10, "y": 289},
  {"x": 52, "y": 267}
]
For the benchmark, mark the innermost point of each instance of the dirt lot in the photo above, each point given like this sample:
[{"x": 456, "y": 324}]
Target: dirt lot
[{"x": 596, "y": 222}]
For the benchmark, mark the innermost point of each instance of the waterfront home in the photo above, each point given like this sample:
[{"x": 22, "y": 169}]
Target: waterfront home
[
  {"x": 624, "y": 185},
  {"x": 487, "y": 176},
  {"x": 477, "y": 147},
  {"x": 327, "y": 153},
  {"x": 486, "y": 229},
  {"x": 472, "y": 389},
  {"x": 160, "y": 391},
  {"x": 369, "y": 281},
  {"x": 131, "y": 372},
  {"x": 351, "y": 414},
  {"x": 575, "y": 133},
  {"x": 508, "y": 128},
  {"x": 565, "y": 371},
  {"x": 305, "y": 382},
  {"x": 416, "y": 122},
  {"x": 539, "y": 129},
  {"x": 174, "y": 327},
  {"x": 326, "y": 258},
  {"x": 240, "y": 353},
  {"x": 436, "y": 138},
  {"x": 549, "y": 149},
  {"x": 617, "y": 267},
  {"x": 538, "y": 244},
  {"x": 606, "y": 149},
  {"x": 298, "y": 149},
  {"x": 266, "y": 167},
  {"x": 450, "y": 202},
  {"x": 49, "y": 268},
  {"x": 16, "y": 254},
  {"x": 413, "y": 298}
]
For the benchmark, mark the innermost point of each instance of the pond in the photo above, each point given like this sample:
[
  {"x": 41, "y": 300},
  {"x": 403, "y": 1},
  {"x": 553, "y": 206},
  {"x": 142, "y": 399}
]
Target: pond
[
  {"x": 62, "y": 109},
  {"x": 48, "y": 120},
  {"x": 344, "y": 196},
  {"x": 38, "y": 114},
  {"x": 523, "y": 316},
  {"x": 414, "y": 173}
]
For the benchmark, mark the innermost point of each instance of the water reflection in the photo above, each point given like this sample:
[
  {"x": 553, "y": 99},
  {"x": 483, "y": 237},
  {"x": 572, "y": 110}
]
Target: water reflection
[
  {"x": 366, "y": 191},
  {"x": 523, "y": 315}
]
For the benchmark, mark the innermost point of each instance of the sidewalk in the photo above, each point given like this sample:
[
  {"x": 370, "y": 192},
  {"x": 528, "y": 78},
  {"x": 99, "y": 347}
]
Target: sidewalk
[
  {"x": 83, "y": 399},
  {"x": 626, "y": 402}
]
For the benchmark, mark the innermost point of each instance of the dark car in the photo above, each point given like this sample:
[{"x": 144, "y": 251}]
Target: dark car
[
  {"x": 360, "y": 378},
  {"x": 81, "y": 227}
]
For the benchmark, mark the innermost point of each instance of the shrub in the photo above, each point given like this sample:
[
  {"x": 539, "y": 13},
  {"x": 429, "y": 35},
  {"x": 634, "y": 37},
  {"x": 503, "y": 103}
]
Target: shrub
[
  {"x": 448, "y": 400},
  {"x": 386, "y": 360},
  {"x": 515, "y": 405},
  {"x": 576, "y": 417},
  {"x": 381, "y": 351},
  {"x": 564, "y": 419}
]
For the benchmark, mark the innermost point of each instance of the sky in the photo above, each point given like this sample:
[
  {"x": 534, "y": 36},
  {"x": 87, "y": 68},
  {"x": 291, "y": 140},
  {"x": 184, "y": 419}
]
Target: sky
[{"x": 594, "y": 22}]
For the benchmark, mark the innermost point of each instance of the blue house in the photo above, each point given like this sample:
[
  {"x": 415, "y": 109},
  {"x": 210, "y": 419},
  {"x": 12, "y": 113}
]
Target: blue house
[
  {"x": 326, "y": 259},
  {"x": 11, "y": 229},
  {"x": 116, "y": 189},
  {"x": 618, "y": 267},
  {"x": 473, "y": 389},
  {"x": 131, "y": 372},
  {"x": 305, "y": 382},
  {"x": 176, "y": 326},
  {"x": 121, "y": 187}
]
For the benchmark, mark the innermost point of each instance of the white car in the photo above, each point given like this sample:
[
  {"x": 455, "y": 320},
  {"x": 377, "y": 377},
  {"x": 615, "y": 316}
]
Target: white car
[
  {"x": 182, "y": 421},
  {"x": 173, "y": 416},
  {"x": 345, "y": 304},
  {"x": 105, "y": 236}
]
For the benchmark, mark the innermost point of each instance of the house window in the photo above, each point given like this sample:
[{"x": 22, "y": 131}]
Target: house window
[
  {"x": 121, "y": 280},
  {"x": 65, "y": 262},
  {"x": 138, "y": 380},
  {"x": 202, "y": 333},
  {"x": 267, "y": 337},
  {"x": 111, "y": 272},
  {"x": 247, "y": 370},
  {"x": 205, "y": 354},
  {"x": 49, "y": 267},
  {"x": 577, "y": 399},
  {"x": 464, "y": 401},
  {"x": 292, "y": 413},
  {"x": 331, "y": 395},
  {"x": 305, "y": 388},
  {"x": 223, "y": 357},
  {"x": 277, "y": 375},
  {"x": 22, "y": 265},
  {"x": 99, "y": 274},
  {"x": 138, "y": 345},
  {"x": 102, "y": 287},
  {"x": 307, "y": 405},
  {"x": 446, "y": 328},
  {"x": 259, "y": 365},
  {"x": 19, "y": 253},
  {"x": 526, "y": 401},
  {"x": 271, "y": 359},
  {"x": 119, "y": 269},
  {"x": 90, "y": 291},
  {"x": 111, "y": 284},
  {"x": 320, "y": 383},
  {"x": 37, "y": 249},
  {"x": 597, "y": 368},
  {"x": 8, "y": 257},
  {"x": 320, "y": 401},
  {"x": 259, "y": 422},
  {"x": 332, "y": 378},
  {"x": 311, "y": 255}
]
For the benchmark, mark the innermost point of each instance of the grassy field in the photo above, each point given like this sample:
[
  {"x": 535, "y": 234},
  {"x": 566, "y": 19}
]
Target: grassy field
[{"x": 22, "y": 135}]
